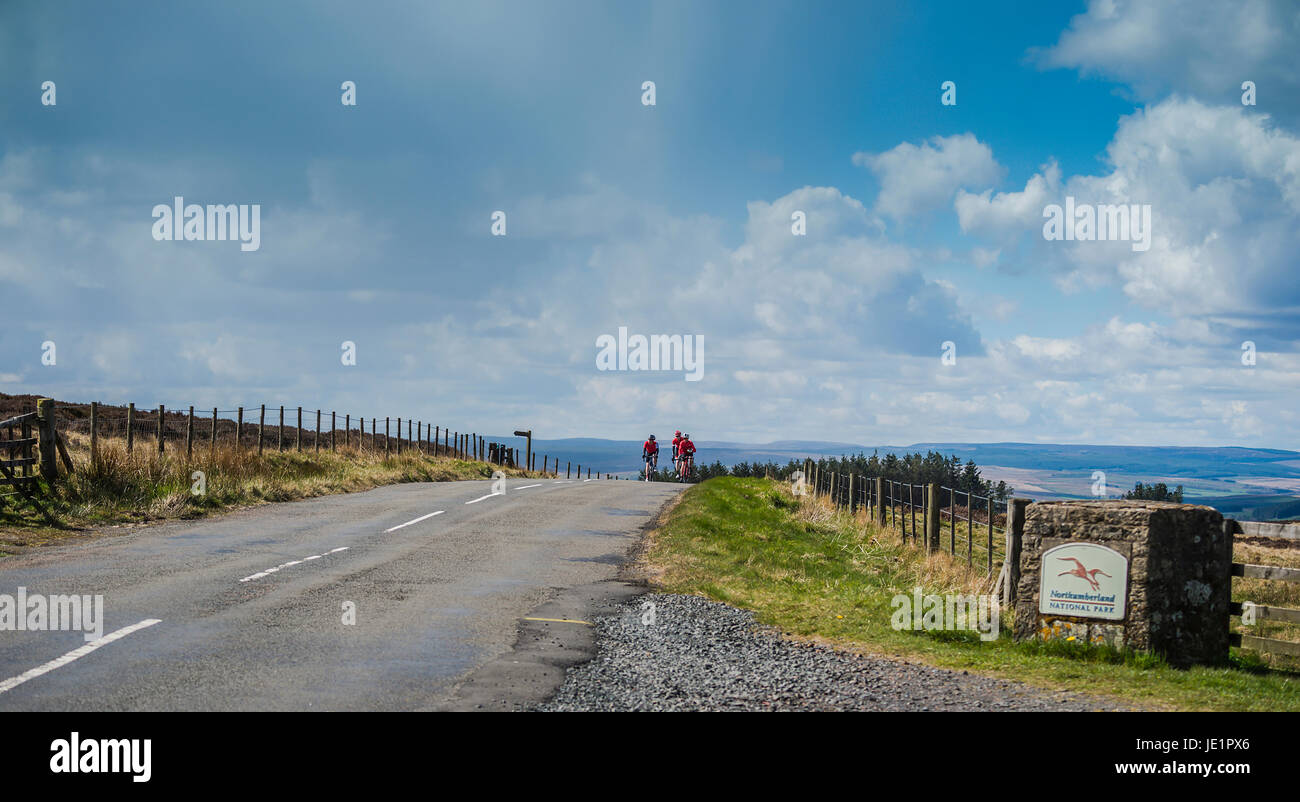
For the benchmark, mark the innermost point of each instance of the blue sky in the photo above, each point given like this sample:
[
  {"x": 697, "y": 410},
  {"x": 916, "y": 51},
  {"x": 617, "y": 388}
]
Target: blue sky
[{"x": 924, "y": 220}]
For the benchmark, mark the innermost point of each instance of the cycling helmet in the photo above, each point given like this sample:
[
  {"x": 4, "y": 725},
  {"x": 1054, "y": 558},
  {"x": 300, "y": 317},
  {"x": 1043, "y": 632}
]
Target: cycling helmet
[
  {"x": 677, "y": 433},
  {"x": 687, "y": 436},
  {"x": 652, "y": 437}
]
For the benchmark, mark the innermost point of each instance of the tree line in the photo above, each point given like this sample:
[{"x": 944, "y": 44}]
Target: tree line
[{"x": 912, "y": 468}]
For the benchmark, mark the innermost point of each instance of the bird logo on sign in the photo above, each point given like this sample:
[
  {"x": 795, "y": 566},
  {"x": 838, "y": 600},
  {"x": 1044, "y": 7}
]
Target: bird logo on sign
[{"x": 1081, "y": 571}]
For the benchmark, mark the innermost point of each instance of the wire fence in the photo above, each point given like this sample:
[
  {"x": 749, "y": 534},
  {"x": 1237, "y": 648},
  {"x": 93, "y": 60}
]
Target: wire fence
[
  {"x": 257, "y": 429},
  {"x": 975, "y": 524}
]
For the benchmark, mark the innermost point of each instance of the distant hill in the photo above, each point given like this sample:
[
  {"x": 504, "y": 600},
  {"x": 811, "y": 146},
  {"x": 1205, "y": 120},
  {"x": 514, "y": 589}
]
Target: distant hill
[
  {"x": 1266, "y": 481},
  {"x": 1249, "y": 483}
]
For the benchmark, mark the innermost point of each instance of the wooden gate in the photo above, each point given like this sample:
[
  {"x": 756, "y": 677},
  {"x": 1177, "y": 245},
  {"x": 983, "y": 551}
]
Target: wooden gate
[{"x": 18, "y": 466}]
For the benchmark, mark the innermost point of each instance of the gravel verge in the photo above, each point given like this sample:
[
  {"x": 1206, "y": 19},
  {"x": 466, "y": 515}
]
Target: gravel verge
[{"x": 702, "y": 655}]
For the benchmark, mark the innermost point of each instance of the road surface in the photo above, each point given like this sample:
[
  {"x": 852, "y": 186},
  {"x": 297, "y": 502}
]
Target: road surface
[{"x": 246, "y": 611}]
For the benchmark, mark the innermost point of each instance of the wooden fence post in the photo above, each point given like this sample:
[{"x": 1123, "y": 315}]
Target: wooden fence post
[
  {"x": 261, "y": 427},
  {"x": 130, "y": 427},
  {"x": 347, "y": 429},
  {"x": 333, "y": 429},
  {"x": 214, "y": 430},
  {"x": 932, "y": 517},
  {"x": 316, "y": 439},
  {"x": 47, "y": 433},
  {"x": 280, "y": 438},
  {"x": 189, "y": 434},
  {"x": 162, "y": 410},
  {"x": 880, "y": 507},
  {"x": 297, "y": 438},
  {"x": 385, "y": 437},
  {"x": 239, "y": 429},
  {"x": 1015, "y": 532},
  {"x": 990, "y": 543},
  {"x": 94, "y": 430},
  {"x": 853, "y": 496},
  {"x": 952, "y": 521}
]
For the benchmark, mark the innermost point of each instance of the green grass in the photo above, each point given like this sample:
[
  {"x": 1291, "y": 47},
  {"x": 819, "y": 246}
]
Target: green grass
[
  {"x": 144, "y": 486},
  {"x": 815, "y": 573}
]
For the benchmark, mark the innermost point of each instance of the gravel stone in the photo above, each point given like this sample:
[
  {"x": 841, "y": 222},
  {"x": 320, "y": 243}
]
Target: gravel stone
[{"x": 702, "y": 655}]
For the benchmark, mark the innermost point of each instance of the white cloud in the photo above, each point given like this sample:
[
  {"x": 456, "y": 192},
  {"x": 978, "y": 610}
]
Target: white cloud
[
  {"x": 1224, "y": 188},
  {"x": 916, "y": 178},
  {"x": 1200, "y": 47},
  {"x": 1009, "y": 212}
]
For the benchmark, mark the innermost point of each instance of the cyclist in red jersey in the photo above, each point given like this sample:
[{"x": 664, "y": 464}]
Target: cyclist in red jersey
[
  {"x": 677, "y": 439},
  {"x": 685, "y": 455},
  {"x": 650, "y": 454}
]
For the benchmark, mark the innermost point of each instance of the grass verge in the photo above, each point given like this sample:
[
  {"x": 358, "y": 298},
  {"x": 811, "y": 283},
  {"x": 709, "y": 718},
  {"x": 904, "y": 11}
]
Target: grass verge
[
  {"x": 816, "y": 573},
  {"x": 146, "y": 486}
]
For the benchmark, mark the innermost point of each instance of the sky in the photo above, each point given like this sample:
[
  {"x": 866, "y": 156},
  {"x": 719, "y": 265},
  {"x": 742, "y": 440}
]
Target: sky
[{"x": 921, "y": 303}]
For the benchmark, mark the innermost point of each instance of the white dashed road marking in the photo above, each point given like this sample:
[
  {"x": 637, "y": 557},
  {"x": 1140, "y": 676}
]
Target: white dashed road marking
[
  {"x": 270, "y": 571},
  {"x": 82, "y": 651},
  {"x": 525, "y": 487},
  {"x": 416, "y": 521}
]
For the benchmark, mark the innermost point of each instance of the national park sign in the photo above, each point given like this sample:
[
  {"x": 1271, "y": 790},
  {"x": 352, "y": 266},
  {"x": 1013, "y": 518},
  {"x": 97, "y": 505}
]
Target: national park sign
[{"x": 1083, "y": 580}]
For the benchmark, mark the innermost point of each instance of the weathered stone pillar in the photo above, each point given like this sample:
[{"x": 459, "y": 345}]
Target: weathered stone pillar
[{"x": 1145, "y": 575}]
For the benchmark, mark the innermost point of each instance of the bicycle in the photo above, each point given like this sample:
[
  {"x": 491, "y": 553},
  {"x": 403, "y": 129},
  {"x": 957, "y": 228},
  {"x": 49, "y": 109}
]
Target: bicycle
[
  {"x": 684, "y": 464},
  {"x": 651, "y": 465}
]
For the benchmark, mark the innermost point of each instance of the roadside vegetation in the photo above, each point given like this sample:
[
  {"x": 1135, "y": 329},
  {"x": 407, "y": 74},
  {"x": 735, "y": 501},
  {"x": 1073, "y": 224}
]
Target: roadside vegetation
[
  {"x": 119, "y": 488},
  {"x": 814, "y": 572}
]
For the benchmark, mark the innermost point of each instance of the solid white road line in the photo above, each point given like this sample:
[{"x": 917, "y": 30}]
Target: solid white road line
[
  {"x": 525, "y": 487},
  {"x": 480, "y": 498},
  {"x": 270, "y": 571},
  {"x": 416, "y": 521},
  {"x": 14, "y": 682}
]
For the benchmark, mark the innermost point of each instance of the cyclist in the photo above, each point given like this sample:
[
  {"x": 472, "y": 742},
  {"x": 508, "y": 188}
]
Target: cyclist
[
  {"x": 650, "y": 454},
  {"x": 685, "y": 456},
  {"x": 677, "y": 439}
]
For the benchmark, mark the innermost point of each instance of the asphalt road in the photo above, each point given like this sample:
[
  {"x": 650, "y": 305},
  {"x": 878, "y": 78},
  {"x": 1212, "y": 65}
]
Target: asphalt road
[{"x": 249, "y": 607}]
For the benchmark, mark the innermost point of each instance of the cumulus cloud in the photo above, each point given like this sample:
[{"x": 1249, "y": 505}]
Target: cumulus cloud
[
  {"x": 1223, "y": 184},
  {"x": 916, "y": 178},
  {"x": 1202, "y": 47}
]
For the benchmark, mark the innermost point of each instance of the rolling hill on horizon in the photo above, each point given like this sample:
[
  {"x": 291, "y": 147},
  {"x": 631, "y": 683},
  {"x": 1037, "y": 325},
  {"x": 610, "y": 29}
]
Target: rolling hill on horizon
[{"x": 1247, "y": 480}]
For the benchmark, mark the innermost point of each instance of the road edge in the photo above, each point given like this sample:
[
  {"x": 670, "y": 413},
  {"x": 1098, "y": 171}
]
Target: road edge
[{"x": 534, "y": 668}]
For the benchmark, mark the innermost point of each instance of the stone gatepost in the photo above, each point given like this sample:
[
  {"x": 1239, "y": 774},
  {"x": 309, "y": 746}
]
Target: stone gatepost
[{"x": 1145, "y": 575}]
